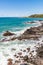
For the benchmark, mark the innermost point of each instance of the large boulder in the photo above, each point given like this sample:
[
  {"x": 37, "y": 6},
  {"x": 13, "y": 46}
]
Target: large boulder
[{"x": 7, "y": 33}]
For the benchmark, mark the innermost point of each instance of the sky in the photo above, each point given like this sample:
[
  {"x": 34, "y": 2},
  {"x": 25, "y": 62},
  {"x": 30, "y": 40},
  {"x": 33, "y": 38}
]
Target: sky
[{"x": 19, "y": 8}]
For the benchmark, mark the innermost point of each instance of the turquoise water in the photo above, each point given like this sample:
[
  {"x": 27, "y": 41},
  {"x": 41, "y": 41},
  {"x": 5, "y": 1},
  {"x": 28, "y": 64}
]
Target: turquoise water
[{"x": 15, "y": 23}]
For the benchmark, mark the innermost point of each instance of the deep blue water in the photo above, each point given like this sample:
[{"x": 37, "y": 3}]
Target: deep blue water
[{"x": 15, "y": 23}]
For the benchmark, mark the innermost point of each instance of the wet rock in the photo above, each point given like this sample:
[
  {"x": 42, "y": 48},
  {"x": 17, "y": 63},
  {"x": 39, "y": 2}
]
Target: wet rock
[
  {"x": 17, "y": 61},
  {"x": 20, "y": 53},
  {"x": 40, "y": 51},
  {"x": 32, "y": 33},
  {"x": 28, "y": 49},
  {"x": 29, "y": 31},
  {"x": 13, "y": 38},
  {"x": 15, "y": 55},
  {"x": 32, "y": 51},
  {"x": 7, "y": 33},
  {"x": 10, "y": 61},
  {"x": 21, "y": 56},
  {"x": 38, "y": 61},
  {"x": 5, "y": 39},
  {"x": 24, "y": 50},
  {"x": 25, "y": 58}
]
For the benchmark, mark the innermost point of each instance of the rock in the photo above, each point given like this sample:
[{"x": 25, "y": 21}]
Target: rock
[
  {"x": 13, "y": 49},
  {"x": 7, "y": 33},
  {"x": 40, "y": 51},
  {"x": 29, "y": 22},
  {"x": 13, "y": 38},
  {"x": 24, "y": 50},
  {"x": 29, "y": 31},
  {"x": 17, "y": 61},
  {"x": 32, "y": 51},
  {"x": 32, "y": 33},
  {"x": 21, "y": 57},
  {"x": 15, "y": 55},
  {"x": 38, "y": 61},
  {"x": 20, "y": 53},
  {"x": 10, "y": 61},
  {"x": 28, "y": 49},
  {"x": 5, "y": 39},
  {"x": 25, "y": 58}
]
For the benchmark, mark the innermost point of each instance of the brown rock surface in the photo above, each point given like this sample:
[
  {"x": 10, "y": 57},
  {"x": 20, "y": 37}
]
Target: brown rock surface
[
  {"x": 7, "y": 33},
  {"x": 10, "y": 61},
  {"x": 32, "y": 33}
]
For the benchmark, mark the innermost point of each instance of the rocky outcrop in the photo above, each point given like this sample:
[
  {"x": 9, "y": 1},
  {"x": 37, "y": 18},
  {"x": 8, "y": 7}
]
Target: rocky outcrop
[
  {"x": 32, "y": 33},
  {"x": 7, "y": 33}
]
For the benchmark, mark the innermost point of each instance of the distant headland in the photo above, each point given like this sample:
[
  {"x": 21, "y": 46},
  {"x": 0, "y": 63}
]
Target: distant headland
[{"x": 36, "y": 16}]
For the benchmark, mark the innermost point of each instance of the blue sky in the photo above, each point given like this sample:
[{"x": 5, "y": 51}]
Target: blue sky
[{"x": 20, "y": 7}]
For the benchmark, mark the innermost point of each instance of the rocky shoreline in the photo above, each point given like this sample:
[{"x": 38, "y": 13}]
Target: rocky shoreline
[
  {"x": 33, "y": 33},
  {"x": 28, "y": 60}
]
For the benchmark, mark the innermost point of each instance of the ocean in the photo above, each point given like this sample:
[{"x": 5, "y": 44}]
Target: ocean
[{"x": 16, "y": 25}]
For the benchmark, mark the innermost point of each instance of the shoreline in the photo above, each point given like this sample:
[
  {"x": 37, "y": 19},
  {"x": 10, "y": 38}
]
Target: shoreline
[
  {"x": 19, "y": 51},
  {"x": 19, "y": 33}
]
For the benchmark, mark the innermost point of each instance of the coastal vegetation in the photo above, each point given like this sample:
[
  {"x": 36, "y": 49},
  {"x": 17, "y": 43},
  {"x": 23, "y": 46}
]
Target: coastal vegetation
[{"x": 36, "y": 16}]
